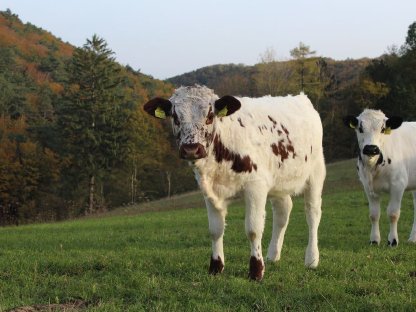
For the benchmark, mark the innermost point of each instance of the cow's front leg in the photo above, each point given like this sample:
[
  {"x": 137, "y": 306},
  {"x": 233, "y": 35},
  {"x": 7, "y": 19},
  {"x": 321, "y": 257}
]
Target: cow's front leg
[
  {"x": 256, "y": 197},
  {"x": 374, "y": 210},
  {"x": 393, "y": 212},
  {"x": 216, "y": 221}
]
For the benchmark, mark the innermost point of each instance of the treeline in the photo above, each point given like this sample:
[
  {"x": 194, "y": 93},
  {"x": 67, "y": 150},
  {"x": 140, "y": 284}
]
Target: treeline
[
  {"x": 336, "y": 88},
  {"x": 73, "y": 137}
]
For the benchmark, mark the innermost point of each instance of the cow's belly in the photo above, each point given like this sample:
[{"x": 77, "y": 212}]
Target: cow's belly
[
  {"x": 290, "y": 184},
  {"x": 404, "y": 180}
]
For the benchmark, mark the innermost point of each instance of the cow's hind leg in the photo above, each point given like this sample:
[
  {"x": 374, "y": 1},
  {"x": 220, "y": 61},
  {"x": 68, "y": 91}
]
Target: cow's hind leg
[
  {"x": 256, "y": 196},
  {"x": 412, "y": 237},
  {"x": 281, "y": 212},
  {"x": 313, "y": 202},
  {"x": 216, "y": 220}
]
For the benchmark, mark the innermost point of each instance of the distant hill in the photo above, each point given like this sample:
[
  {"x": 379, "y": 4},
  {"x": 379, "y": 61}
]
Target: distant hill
[
  {"x": 220, "y": 77},
  {"x": 211, "y": 75}
]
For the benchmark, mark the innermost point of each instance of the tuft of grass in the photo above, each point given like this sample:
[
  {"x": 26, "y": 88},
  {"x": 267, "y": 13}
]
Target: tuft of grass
[{"x": 158, "y": 261}]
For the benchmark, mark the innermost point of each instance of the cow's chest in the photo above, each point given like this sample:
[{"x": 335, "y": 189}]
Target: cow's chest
[
  {"x": 219, "y": 179},
  {"x": 381, "y": 184},
  {"x": 376, "y": 180}
]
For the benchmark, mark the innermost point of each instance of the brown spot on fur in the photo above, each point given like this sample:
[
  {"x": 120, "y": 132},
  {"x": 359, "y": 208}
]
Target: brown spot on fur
[
  {"x": 280, "y": 149},
  {"x": 311, "y": 149},
  {"x": 208, "y": 138},
  {"x": 284, "y": 129},
  {"x": 291, "y": 149},
  {"x": 241, "y": 123},
  {"x": 279, "y": 132},
  {"x": 389, "y": 160},
  {"x": 393, "y": 218},
  {"x": 306, "y": 158},
  {"x": 273, "y": 121},
  {"x": 251, "y": 236},
  {"x": 283, "y": 150},
  {"x": 256, "y": 269},
  {"x": 239, "y": 164},
  {"x": 216, "y": 266},
  {"x": 210, "y": 116}
]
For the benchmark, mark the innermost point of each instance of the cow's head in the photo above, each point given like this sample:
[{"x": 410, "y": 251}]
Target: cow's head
[
  {"x": 371, "y": 127},
  {"x": 194, "y": 111}
]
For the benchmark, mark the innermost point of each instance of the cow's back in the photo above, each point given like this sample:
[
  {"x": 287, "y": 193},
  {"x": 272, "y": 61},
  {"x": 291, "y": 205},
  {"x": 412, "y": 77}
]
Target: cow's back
[
  {"x": 281, "y": 135},
  {"x": 400, "y": 151}
]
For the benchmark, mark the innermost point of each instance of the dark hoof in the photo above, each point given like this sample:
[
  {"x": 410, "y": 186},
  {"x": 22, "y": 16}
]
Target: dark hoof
[
  {"x": 393, "y": 243},
  {"x": 374, "y": 243},
  {"x": 256, "y": 269},
  {"x": 216, "y": 266}
]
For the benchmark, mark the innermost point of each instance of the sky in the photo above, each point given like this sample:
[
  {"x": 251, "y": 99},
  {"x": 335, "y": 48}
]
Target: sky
[{"x": 165, "y": 38}]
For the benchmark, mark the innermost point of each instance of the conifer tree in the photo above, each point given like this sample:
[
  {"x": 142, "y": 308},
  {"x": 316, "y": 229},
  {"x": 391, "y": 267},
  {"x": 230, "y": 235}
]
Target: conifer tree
[{"x": 92, "y": 119}]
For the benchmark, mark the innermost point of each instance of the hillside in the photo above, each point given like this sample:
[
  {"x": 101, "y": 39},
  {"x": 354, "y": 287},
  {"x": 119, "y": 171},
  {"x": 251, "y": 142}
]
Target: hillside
[
  {"x": 158, "y": 261},
  {"x": 37, "y": 175}
]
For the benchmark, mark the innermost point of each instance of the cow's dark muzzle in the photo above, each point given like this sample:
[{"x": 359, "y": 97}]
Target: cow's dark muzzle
[
  {"x": 371, "y": 150},
  {"x": 192, "y": 151}
]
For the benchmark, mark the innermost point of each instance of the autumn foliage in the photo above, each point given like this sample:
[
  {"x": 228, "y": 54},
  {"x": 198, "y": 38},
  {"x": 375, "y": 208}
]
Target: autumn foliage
[{"x": 40, "y": 174}]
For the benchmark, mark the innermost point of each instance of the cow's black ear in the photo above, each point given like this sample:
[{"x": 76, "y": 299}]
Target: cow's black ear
[
  {"x": 158, "y": 107},
  {"x": 226, "y": 106},
  {"x": 394, "y": 122},
  {"x": 350, "y": 121}
]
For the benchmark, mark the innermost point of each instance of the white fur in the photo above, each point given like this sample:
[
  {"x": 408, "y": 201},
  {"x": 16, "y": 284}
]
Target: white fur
[
  {"x": 303, "y": 173},
  {"x": 393, "y": 178}
]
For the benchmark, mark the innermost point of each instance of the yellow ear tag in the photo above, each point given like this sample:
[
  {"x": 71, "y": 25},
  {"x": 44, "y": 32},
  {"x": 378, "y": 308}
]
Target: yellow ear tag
[
  {"x": 352, "y": 126},
  {"x": 387, "y": 130},
  {"x": 223, "y": 112},
  {"x": 160, "y": 113}
]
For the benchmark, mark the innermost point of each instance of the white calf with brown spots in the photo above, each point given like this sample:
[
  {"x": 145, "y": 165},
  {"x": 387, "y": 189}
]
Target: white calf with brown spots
[
  {"x": 386, "y": 163},
  {"x": 269, "y": 146}
]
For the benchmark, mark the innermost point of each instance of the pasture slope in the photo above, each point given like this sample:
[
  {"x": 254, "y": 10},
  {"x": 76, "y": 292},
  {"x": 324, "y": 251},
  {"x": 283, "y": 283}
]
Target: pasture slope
[{"x": 158, "y": 260}]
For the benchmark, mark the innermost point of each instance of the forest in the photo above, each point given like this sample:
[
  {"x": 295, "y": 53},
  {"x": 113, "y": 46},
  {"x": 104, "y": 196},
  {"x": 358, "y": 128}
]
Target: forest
[{"x": 75, "y": 141}]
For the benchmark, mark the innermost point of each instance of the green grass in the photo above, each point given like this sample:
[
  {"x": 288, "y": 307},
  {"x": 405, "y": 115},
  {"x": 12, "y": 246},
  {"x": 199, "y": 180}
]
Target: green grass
[{"x": 158, "y": 261}]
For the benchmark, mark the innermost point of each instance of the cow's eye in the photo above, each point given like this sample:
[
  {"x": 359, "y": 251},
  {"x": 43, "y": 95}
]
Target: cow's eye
[
  {"x": 210, "y": 118},
  {"x": 175, "y": 119}
]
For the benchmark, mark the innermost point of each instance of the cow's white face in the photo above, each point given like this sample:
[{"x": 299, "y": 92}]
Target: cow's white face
[
  {"x": 193, "y": 111},
  {"x": 371, "y": 127}
]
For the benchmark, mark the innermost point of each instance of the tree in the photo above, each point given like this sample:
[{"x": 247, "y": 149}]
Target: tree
[
  {"x": 300, "y": 54},
  {"x": 272, "y": 77},
  {"x": 92, "y": 119},
  {"x": 411, "y": 37}
]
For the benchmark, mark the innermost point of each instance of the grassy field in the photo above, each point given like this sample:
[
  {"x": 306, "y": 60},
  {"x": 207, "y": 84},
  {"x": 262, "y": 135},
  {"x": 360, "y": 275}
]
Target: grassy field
[{"x": 158, "y": 260}]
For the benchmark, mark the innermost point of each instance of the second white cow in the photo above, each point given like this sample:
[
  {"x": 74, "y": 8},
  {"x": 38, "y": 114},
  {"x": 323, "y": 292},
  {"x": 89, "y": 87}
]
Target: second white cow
[
  {"x": 269, "y": 146},
  {"x": 386, "y": 163}
]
